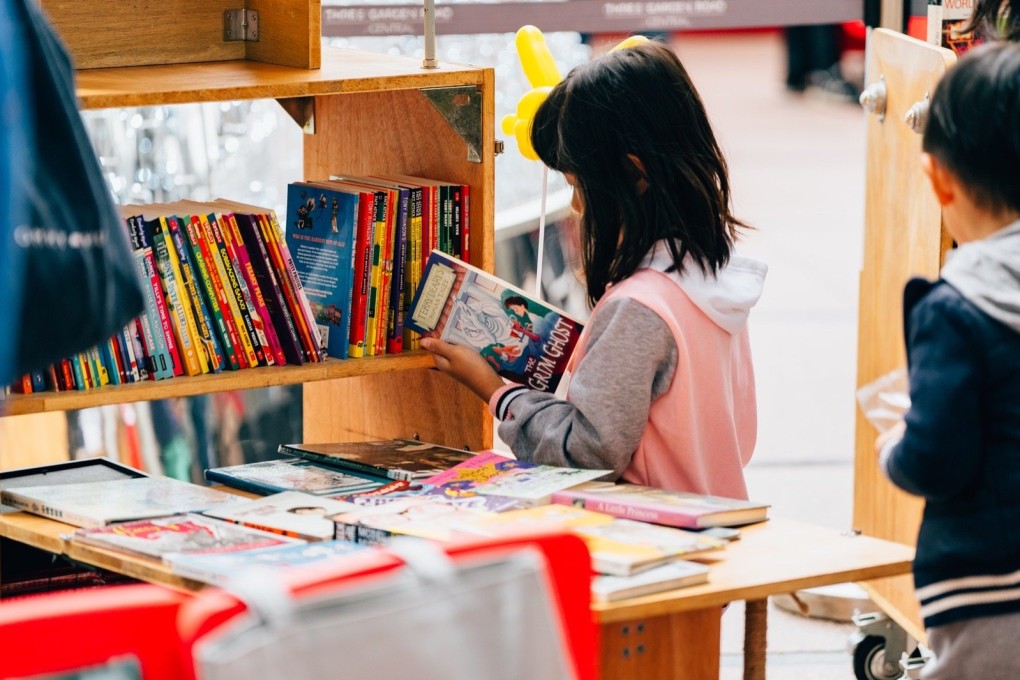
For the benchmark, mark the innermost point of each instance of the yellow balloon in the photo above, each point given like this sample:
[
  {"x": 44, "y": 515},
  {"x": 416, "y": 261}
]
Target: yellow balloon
[
  {"x": 522, "y": 133},
  {"x": 531, "y": 100},
  {"x": 508, "y": 123},
  {"x": 632, "y": 41},
  {"x": 536, "y": 59}
]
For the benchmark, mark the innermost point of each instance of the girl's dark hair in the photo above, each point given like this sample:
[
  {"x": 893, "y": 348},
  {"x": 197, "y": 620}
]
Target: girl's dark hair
[
  {"x": 638, "y": 102},
  {"x": 973, "y": 125},
  {"x": 996, "y": 20}
]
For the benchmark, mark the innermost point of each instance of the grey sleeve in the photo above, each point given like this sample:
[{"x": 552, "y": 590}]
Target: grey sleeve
[{"x": 630, "y": 362}]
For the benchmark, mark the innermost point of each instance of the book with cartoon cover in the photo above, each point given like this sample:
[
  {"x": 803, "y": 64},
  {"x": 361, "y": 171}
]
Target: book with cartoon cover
[
  {"x": 400, "y": 459},
  {"x": 525, "y": 340},
  {"x": 293, "y": 474},
  {"x": 291, "y": 513},
  {"x": 96, "y": 504}
]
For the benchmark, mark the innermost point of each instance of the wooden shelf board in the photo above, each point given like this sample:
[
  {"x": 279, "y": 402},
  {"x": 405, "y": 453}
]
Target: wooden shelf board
[
  {"x": 187, "y": 386},
  {"x": 343, "y": 71}
]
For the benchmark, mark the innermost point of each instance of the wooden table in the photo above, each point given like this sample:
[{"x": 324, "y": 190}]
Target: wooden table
[{"x": 674, "y": 634}]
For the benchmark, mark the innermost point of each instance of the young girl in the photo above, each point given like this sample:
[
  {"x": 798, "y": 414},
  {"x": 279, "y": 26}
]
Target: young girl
[{"x": 662, "y": 388}]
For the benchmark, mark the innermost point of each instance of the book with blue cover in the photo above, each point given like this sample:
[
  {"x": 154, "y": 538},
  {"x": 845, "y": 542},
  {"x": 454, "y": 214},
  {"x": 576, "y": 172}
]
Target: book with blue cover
[{"x": 320, "y": 233}]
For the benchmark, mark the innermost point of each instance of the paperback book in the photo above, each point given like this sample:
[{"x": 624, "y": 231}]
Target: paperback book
[
  {"x": 489, "y": 473},
  {"x": 188, "y": 533},
  {"x": 675, "y": 574},
  {"x": 293, "y": 474},
  {"x": 217, "y": 568},
  {"x": 291, "y": 513},
  {"x": 419, "y": 516},
  {"x": 658, "y": 506},
  {"x": 96, "y": 504},
  {"x": 525, "y": 340},
  {"x": 400, "y": 459}
]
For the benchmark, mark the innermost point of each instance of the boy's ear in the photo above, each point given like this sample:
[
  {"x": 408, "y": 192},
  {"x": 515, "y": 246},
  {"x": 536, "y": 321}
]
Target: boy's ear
[{"x": 943, "y": 182}]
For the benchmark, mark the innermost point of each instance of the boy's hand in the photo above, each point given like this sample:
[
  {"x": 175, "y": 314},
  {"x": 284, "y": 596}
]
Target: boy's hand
[{"x": 464, "y": 364}]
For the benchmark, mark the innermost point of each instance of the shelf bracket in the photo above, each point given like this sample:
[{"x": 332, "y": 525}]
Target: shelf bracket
[
  {"x": 240, "y": 24},
  {"x": 461, "y": 107},
  {"x": 302, "y": 110}
]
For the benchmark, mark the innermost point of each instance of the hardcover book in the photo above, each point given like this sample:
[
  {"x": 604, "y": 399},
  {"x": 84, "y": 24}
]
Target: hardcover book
[
  {"x": 525, "y": 340},
  {"x": 217, "y": 568},
  {"x": 291, "y": 513},
  {"x": 669, "y": 576},
  {"x": 617, "y": 546},
  {"x": 187, "y": 533},
  {"x": 96, "y": 504},
  {"x": 274, "y": 476},
  {"x": 658, "y": 506},
  {"x": 401, "y": 459},
  {"x": 489, "y": 473}
]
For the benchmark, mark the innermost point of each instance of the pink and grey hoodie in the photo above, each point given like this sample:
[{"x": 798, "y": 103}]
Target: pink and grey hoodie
[{"x": 661, "y": 389}]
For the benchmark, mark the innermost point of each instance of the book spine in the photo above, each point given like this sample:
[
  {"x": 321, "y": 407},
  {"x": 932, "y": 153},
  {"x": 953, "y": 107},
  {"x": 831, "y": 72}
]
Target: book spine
[
  {"x": 238, "y": 290},
  {"x": 221, "y": 287},
  {"x": 208, "y": 344},
  {"x": 361, "y": 283},
  {"x": 386, "y": 271},
  {"x": 174, "y": 304},
  {"x": 67, "y": 371},
  {"x": 221, "y": 268},
  {"x": 413, "y": 267},
  {"x": 276, "y": 304},
  {"x": 378, "y": 239},
  {"x": 226, "y": 479},
  {"x": 291, "y": 303},
  {"x": 99, "y": 369},
  {"x": 79, "y": 374},
  {"x": 257, "y": 303},
  {"x": 109, "y": 354},
  {"x": 290, "y": 273},
  {"x": 465, "y": 222},
  {"x": 186, "y": 290},
  {"x": 213, "y": 296},
  {"x": 139, "y": 343},
  {"x": 334, "y": 462},
  {"x": 455, "y": 231},
  {"x": 641, "y": 513},
  {"x": 166, "y": 359},
  {"x": 127, "y": 336},
  {"x": 395, "y": 321}
]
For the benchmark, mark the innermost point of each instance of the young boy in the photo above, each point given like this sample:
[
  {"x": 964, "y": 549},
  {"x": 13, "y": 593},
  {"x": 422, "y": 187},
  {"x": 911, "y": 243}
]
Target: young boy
[{"x": 960, "y": 445}]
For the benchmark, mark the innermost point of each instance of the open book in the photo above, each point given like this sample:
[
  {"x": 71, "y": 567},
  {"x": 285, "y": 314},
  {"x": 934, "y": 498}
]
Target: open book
[{"x": 525, "y": 340}]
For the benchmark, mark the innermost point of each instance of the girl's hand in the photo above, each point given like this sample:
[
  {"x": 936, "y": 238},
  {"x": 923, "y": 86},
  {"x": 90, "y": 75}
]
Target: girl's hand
[{"x": 464, "y": 364}]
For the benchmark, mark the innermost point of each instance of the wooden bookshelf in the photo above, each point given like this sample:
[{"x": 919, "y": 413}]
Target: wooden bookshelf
[{"x": 363, "y": 113}]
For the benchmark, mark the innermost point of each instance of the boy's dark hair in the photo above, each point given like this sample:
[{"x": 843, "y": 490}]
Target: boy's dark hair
[
  {"x": 996, "y": 19},
  {"x": 514, "y": 300},
  {"x": 638, "y": 101},
  {"x": 973, "y": 125}
]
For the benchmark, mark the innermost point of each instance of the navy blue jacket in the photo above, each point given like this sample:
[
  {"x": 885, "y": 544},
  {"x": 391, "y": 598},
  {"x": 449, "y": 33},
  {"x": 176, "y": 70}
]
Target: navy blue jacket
[{"x": 961, "y": 452}]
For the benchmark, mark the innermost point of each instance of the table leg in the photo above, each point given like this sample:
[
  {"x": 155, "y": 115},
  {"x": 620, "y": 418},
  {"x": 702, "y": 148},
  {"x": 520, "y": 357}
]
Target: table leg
[
  {"x": 683, "y": 645},
  {"x": 755, "y": 638}
]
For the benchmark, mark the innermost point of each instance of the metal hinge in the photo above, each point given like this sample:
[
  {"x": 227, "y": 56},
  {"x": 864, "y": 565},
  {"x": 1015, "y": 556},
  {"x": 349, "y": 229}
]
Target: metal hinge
[{"x": 241, "y": 24}]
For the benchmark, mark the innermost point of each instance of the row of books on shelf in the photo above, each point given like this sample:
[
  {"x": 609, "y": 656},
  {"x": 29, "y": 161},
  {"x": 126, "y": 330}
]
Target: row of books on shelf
[{"x": 329, "y": 501}]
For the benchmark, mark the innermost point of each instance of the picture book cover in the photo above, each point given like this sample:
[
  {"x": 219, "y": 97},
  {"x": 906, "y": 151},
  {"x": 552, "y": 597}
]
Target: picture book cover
[
  {"x": 320, "y": 231},
  {"x": 96, "y": 504},
  {"x": 217, "y": 568},
  {"x": 617, "y": 546},
  {"x": 473, "y": 501},
  {"x": 400, "y": 459},
  {"x": 527, "y": 341},
  {"x": 420, "y": 516},
  {"x": 293, "y": 474},
  {"x": 291, "y": 513},
  {"x": 669, "y": 576},
  {"x": 489, "y": 473},
  {"x": 187, "y": 533},
  {"x": 672, "y": 508}
]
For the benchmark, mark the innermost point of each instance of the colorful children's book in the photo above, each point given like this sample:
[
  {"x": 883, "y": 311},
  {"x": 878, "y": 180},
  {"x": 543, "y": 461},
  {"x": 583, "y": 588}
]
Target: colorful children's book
[
  {"x": 274, "y": 476},
  {"x": 947, "y": 24},
  {"x": 489, "y": 473},
  {"x": 419, "y": 516},
  {"x": 401, "y": 459},
  {"x": 669, "y": 576},
  {"x": 188, "y": 534},
  {"x": 96, "y": 504},
  {"x": 217, "y": 568},
  {"x": 321, "y": 228},
  {"x": 658, "y": 506},
  {"x": 617, "y": 546},
  {"x": 291, "y": 513},
  {"x": 525, "y": 340}
]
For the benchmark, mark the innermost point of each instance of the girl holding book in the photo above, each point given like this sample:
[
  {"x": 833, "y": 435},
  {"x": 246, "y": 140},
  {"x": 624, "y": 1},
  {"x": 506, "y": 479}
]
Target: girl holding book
[{"x": 661, "y": 389}]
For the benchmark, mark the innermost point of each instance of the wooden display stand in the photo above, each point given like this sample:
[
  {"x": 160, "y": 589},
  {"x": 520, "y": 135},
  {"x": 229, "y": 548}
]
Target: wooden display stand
[
  {"x": 903, "y": 238},
  {"x": 364, "y": 113}
]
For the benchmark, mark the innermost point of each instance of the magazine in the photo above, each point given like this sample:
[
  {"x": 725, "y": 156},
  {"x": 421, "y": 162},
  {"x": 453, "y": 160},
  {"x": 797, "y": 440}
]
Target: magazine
[
  {"x": 400, "y": 459},
  {"x": 291, "y": 513}
]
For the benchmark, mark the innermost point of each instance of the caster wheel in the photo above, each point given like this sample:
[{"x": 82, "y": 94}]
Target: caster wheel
[{"x": 870, "y": 662}]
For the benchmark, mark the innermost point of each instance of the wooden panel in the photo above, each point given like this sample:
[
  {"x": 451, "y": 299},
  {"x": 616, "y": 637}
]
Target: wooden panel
[
  {"x": 903, "y": 238},
  {"x": 247, "y": 379},
  {"x": 33, "y": 440},
  {"x": 683, "y": 645},
  {"x": 357, "y": 134},
  {"x": 118, "y": 33},
  {"x": 778, "y": 556},
  {"x": 289, "y": 33},
  {"x": 342, "y": 71}
]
